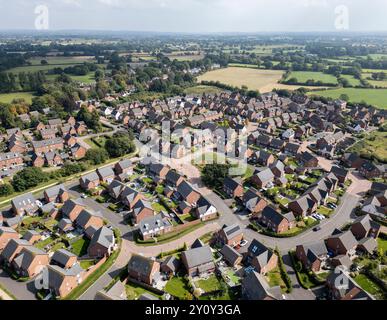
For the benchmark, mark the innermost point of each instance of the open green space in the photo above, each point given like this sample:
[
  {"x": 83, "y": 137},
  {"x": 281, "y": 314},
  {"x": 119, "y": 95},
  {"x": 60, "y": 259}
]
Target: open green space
[
  {"x": 375, "y": 97},
  {"x": 368, "y": 285},
  {"x": 209, "y": 285},
  {"x": 199, "y": 90},
  {"x": 9, "y": 97},
  {"x": 304, "y": 76},
  {"x": 373, "y": 146}
]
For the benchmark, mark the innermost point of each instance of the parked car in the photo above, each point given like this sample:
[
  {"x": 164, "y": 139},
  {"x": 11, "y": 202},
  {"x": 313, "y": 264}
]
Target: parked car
[
  {"x": 243, "y": 243},
  {"x": 318, "y": 228}
]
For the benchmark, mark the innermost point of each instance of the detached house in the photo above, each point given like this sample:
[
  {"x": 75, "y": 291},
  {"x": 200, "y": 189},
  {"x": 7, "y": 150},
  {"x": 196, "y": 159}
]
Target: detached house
[
  {"x": 7, "y": 234},
  {"x": 24, "y": 204},
  {"x": 58, "y": 194},
  {"x": 143, "y": 269},
  {"x": 30, "y": 261},
  {"x": 342, "y": 243},
  {"x": 102, "y": 243},
  {"x": 303, "y": 206},
  {"x": 106, "y": 174},
  {"x": 255, "y": 287},
  {"x": 275, "y": 221},
  {"x": 230, "y": 235},
  {"x": 312, "y": 255},
  {"x": 188, "y": 193},
  {"x": 263, "y": 178},
  {"x": 72, "y": 208},
  {"x": 261, "y": 258},
  {"x": 204, "y": 210},
  {"x": 141, "y": 210},
  {"x": 198, "y": 261},
  {"x": 89, "y": 181},
  {"x": 232, "y": 187},
  {"x": 364, "y": 227},
  {"x": 253, "y": 201}
]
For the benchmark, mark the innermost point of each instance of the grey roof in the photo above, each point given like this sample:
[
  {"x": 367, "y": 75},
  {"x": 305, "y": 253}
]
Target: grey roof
[
  {"x": 93, "y": 176},
  {"x": 343, "y": 283},
  {"x": 251, "y": 197},
  {"x": 124, "y": 164},
  {"x": 198, "y": 256},
  {"x": 369, "y": 244},
  {"x": 232, "y": 231},
  {"x": 105, "y": 172},
  {"x": 70, "y": 204},
  {"x": 11, "y": 247},
  {"x": 26, "y": 257},
  {"x": 256, "y": 287},
  {"x": 84, "y": 217},
  {"x": 185, "y": 189},
  {"x": 347, "y": 238},
  {"x": 265, "y": 175},
  {"x": 24, "y": 200},
  {"x": 61, "y": 257},
  {"x": 197, "y": 244},
  {"x": 29, "y": 234},
  {"x": 305, "y": 202},
  {"x": 140, "y": 264},
  {"x": 230, "y": 254},
  {"x": 13, "y": 221},
  {"x": 55, "y": 190},
  {"x": 231, "y": 183},
  {"x": 140, "y": 205},
  {"x": 260, "y": 252},
  {"x": 172, "y": 263},
  {"x": 56, "y": 274},
  {"x": 63, "y": 223},
  {"x": 152, "y": 223},
  {"x": 116, "y": 188},
  {"x": 46, "y": 143},
  {"x": 203, "y": 205},
  {"x": 172, "y": 177},
  {"x": 104, "y": 237},
  {"x": 147, "y": 296},
  {"x": 271, "y": 214},
  {"x": 116, "y": 292},
  {"x": 6, "y": 230},
  {"x": 315, "y": 250}
]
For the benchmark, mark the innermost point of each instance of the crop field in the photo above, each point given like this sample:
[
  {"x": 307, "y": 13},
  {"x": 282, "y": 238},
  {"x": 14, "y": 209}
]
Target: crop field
[
  {"x": 254, "y": 79},
  {"x": 304, "y": 76},
  {"x": 9, "y": 97},
  {"x": 375, "y": 97},
  {"x": 372, "y": 146}
]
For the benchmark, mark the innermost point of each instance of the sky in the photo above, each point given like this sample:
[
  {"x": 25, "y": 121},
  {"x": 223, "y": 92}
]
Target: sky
[{"x": 196, "y": 16}]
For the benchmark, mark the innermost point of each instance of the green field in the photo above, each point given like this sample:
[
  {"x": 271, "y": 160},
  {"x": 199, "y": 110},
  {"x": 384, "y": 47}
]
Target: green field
[
  {"x": 352, "y": 80},
  {"x": 372, "y": 146},
  {"x": 375, "y": 97},
  {"x": 61, "y": 60},
  {"x": 89, "y": 78},
  {"x": 368, "y": 285},
  {"x": 199, "y": 90},
  {"x": 9, "y": 97},
  {"x": 178, "y": 287},
  {"x": 304, "y": 76}
]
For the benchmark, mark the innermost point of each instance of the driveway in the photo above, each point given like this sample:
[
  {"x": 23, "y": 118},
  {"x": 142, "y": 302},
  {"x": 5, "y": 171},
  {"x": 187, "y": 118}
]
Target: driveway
[{"x": 21, "y": 290}]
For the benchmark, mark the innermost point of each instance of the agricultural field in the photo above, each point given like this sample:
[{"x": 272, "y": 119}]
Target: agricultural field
[
  {"x": 89, "y": 78},
  {"x": 375, "y": 97},
  {"x": 199, "y": 90},
  {"x": 304, "y": 76},
  {"x": 254, "y": 79},
  {"x": 352, "y": 80},
  {"x": 9, "y": 97},
  {"x": 372, "y": 146}
]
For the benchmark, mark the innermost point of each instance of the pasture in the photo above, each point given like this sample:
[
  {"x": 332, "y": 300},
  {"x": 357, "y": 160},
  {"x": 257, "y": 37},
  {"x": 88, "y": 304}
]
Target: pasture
[
  {"x": 9, "y": 97},
  {"x": 304, "y": 76},
  {"x": 375, "y": 97}
]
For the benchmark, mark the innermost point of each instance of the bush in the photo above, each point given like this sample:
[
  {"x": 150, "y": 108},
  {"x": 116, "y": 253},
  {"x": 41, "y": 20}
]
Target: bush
[
  {"x": 97, "y": 156},
  {"x": 28, "y": 178},
  {"x": 6, "y": 190},
  {"x": 119, "y": 145}
]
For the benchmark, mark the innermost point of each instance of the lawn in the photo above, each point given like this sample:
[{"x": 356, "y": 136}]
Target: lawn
[
  {"x": 42, "y": 244},
  {"x": 178, "y": 287},
  {"x": 233, "y": 277},
  {"x": 86, "y": 264},
  {"x": 254, "y": 79},
  {"x": 158, "y": 207},
  {"x": 368, "y": 285},
  {"x": 209, "y": 285},
  {"x": 199, "y": 90},
  {"x": 375, "y": 97},
  {"x": 134, "y": 291},
  {"x": 9, "y": 97},
  {"x": 372, "y": 146},
  {"x": 80, "y": 246},
  {"x": 324, "y": 211},
  {"x": 352, "y": 80},
  {"x": 304, "y": 76},
  {"x": 382, "y": 245},
  {"x": 275, "y": 279}
]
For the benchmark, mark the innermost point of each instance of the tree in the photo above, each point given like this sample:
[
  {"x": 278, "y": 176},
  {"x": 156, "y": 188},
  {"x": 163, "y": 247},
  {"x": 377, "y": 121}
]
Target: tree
[
  {"x": 97, "y": 156},
  {"x": 214, "y": 174},
  {"x": 344, "y": 97},
  {"x": 6, "y": 190},
  {"x": 28, "y": 178},
  {"x": 43, "y": 62},
  {"x": 119, "y": 145}
]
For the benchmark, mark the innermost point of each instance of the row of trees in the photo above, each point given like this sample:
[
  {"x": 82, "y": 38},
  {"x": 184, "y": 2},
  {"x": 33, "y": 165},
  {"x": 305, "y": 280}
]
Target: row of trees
[{"x": 31, "y": 81}]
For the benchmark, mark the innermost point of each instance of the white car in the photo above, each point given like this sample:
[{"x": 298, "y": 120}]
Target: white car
[
  {"x": 83, "y": 196},
  {"x": 243, "y": 243}
]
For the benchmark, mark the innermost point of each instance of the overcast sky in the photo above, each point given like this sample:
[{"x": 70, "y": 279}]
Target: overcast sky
[{"x": 197, "y": 15}]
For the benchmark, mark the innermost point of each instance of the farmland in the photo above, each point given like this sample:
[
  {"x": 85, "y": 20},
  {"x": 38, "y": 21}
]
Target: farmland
[
  {"x": 9, "y": 97},
  {"x": 376, "y": 97},
  {"x": 304, "y": 76},
  {"x": 254, "y": 79},
  {"x": 202, "y": 89}
]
